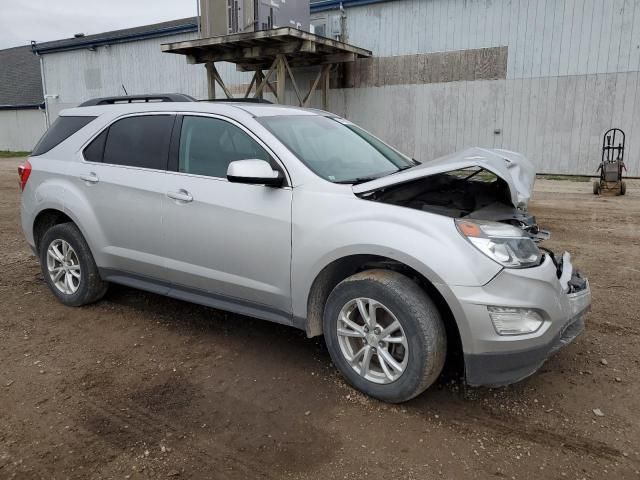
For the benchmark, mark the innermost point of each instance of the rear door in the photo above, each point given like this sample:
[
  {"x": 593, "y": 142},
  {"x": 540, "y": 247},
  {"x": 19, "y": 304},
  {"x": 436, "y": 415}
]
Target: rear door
[
  {"x": 123, "y": 176},
  {"x": 228, "y": 241}
]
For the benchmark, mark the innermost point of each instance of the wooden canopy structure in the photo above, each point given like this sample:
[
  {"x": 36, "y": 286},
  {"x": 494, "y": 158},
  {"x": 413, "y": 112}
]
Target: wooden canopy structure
[{"x": 274, "y": 51}]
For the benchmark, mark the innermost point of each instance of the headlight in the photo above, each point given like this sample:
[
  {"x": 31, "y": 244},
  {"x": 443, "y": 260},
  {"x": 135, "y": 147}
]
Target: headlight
[
  {"x": 507, "y": 245},
  {"x": 515, "y": 321}
]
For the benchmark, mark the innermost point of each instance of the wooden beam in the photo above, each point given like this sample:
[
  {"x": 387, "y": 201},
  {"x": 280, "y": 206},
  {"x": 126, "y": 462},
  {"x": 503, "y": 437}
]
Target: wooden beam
[
  {"x": 323, "y": 71},
  {"x": 281, "y": 77},
  {"x": 261, "y": 86},
  {"x": 293, "y": 80},
  {"x": 253, "y": 80},
  {"x": 218, "y": 78},
  {"x": 325, "y": 88}
]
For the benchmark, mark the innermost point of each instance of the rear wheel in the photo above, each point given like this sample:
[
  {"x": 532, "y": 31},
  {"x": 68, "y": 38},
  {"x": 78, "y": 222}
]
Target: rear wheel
[
  {"x": 385, "y": 335},
  {"x": 596, "y": 188},
  {"x": 68, "y": 266}
]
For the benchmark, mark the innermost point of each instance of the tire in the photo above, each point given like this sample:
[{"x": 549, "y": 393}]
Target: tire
[
  {"x": 623, "y": 188},
  {"x": 421, "y": 327},
  {"x": 90, "y": 287},
  {"x": 596, "y": 188}
]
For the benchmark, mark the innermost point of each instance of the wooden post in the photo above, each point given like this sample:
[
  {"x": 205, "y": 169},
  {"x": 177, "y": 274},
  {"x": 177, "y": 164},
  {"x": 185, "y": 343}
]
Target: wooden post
[
  {"x": 259, "y": 80},
  {"x": 325, "y": 88},
  {"x": 211, "y": 80},
  {"x": 281, "y": 78}
]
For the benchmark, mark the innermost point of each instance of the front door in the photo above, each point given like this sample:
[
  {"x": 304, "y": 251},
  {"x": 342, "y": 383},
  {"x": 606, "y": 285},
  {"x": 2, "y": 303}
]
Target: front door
[{"x": 227, "y": 240}]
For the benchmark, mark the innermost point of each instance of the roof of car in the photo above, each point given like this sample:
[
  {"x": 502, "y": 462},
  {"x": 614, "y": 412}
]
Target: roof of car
[{"x": 220, "y": 107}]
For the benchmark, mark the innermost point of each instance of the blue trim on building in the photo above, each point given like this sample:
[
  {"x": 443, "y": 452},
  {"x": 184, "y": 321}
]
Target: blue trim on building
[
  {"x": 323, "y": 5},
  {"x": 111, "y": 38}
]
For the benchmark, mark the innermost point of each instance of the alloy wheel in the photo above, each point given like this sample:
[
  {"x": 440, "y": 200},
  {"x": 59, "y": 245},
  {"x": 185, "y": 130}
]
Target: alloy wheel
[
  {"x": 63, "y": 266},
  {"x": 372, "y": 340}
]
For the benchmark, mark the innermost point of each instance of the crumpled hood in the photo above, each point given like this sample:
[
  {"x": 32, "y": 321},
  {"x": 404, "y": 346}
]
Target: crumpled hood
[{"x": 512, "y": 167}]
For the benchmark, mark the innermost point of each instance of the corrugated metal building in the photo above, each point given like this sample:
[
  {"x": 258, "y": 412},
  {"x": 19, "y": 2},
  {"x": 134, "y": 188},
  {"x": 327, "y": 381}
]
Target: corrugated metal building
[
  {"x": 22, "y": 119},
  {"x": 544, "y": 77}
]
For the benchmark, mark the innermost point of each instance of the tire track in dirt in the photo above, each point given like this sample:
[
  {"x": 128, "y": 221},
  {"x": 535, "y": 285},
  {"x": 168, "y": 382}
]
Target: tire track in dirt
[{"x": 515, "y": 428}]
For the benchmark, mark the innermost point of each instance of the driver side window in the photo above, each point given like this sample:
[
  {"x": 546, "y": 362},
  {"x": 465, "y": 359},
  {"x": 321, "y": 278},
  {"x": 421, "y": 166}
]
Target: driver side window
[{"x": 209, "y": 145}]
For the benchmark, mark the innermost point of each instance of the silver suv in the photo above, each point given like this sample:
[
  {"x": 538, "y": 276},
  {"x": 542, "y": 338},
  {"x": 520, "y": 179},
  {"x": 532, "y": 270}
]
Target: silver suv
[{"x": 300, "y": 217}]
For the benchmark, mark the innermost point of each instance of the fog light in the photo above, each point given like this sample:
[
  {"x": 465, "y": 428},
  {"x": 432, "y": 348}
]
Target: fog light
[{"x": 515, "y": 321}]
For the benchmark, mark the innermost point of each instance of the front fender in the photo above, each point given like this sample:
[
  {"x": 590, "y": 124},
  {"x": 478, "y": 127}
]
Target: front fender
[{"x": 329, "y": 227}]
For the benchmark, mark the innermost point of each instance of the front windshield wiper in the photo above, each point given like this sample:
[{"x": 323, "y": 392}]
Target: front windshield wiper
[{"x": 356, "y": 181}]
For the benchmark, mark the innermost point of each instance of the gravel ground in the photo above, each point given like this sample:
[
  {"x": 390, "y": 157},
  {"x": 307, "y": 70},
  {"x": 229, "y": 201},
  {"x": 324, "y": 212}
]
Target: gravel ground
[{"x": 142, "y": 386}]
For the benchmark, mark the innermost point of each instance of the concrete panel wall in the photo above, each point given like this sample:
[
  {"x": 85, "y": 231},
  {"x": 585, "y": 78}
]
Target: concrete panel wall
[
  {"x": 558, "y": 122},
  {"x": 20, "y": 130}
]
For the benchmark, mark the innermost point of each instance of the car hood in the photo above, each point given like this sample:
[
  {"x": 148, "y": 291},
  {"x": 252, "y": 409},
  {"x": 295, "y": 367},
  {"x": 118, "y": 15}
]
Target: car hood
[{"x": 512, "y": 167}]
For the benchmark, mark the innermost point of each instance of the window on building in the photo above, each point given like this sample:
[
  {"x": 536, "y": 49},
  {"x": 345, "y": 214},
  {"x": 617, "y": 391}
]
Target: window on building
[
  {"x": 61, "y": 129},
  {"x": 209, "y": 145},
  {"x": 141, "y": 141}
]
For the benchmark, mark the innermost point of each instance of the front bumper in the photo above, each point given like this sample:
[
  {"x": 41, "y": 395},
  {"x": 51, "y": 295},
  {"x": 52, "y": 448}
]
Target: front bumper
[{"x": 492, "y": 359}]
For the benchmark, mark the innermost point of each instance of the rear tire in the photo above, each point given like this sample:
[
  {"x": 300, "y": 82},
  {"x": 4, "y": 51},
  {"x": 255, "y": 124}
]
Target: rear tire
[
  {"x": 68, "y": 266},
  {"x": 623, "y": 188},
  {"x": 400, "y": 363},
  {"x": 596, "y": 188}
]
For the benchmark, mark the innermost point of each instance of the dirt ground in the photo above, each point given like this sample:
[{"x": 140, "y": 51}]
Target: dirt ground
[{"x": 142, "y": 386}]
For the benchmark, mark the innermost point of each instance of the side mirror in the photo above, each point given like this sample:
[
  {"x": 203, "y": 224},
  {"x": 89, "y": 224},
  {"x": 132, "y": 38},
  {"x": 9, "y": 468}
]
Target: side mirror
[{"x": 256, "y": 172}]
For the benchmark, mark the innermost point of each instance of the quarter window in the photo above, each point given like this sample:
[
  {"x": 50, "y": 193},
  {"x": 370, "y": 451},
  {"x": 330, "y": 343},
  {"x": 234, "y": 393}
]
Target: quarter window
[
  {"x": 141, "y": 141},
  {"x": 95, "y": 150},
  {"x": 61, "y": 129},
  {"x": 209, "y": 145}
]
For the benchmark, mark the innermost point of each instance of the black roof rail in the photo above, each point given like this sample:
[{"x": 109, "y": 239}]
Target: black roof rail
[
  {"x": 237, "y": 100},
  {"x": 155, "y": 97}
]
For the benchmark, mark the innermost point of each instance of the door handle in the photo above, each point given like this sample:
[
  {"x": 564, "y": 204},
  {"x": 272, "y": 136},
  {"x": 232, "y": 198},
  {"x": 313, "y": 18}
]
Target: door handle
[
  {"x": 181, "y": 196},
  {"x": 90, "y": 178}
]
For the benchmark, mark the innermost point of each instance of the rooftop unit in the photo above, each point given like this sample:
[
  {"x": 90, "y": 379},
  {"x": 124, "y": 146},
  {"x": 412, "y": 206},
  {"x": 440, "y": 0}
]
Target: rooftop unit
[{"x": 226, "y": 17}]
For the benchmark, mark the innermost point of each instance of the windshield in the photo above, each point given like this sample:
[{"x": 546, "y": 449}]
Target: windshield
[{"x": 336, "y": 150}]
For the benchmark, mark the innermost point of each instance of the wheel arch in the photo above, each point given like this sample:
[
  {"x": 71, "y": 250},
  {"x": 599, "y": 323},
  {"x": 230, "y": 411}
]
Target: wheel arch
[
  {"x": 341, "y": 268},
  {"x": 44, "y": 220}
]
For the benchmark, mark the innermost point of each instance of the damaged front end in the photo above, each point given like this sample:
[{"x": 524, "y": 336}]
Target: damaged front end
[{"x": 478, "y": 184}]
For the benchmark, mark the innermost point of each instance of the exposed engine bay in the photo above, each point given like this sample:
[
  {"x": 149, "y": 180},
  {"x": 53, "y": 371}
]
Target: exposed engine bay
[{"x": 473, "y": 193}]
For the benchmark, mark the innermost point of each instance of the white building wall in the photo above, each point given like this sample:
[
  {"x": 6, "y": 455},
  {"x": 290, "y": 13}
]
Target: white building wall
[
  {"x": 572, "y": 73},
  {"x": 78, "y": 75},
  {"x": 21, "y": 129}
]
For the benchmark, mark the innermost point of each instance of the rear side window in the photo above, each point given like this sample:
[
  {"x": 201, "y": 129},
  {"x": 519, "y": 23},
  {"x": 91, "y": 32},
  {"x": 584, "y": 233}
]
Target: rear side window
[
  {"x": 141, "y": 141},
  {"x": 61, "y": 129}
]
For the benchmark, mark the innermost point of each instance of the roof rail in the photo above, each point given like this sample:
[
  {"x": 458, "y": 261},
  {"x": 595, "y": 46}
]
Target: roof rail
[
  {"x": 155, "y": 97},
  {"x": 237, "y": 100}
]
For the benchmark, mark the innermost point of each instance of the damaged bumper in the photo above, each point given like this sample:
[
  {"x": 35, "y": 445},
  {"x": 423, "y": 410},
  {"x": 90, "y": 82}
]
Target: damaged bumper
[{"x": 555, "y": 290}]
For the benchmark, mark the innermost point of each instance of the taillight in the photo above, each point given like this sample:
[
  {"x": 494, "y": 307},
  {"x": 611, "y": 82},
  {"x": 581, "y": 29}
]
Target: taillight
[{"x": 24, "y": 171}]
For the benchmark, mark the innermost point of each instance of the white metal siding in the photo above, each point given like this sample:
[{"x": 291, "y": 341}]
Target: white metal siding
[
  {"x": 572, "y": 73},
  {"x": 78, "y": 75},
  {"x": 20, "y": 130}
]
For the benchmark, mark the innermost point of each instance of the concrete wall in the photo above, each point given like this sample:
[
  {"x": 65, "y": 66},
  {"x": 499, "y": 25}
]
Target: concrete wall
[{"x": 20, "y": 130}]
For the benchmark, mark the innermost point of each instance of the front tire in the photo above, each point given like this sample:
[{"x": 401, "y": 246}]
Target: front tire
[
  {"x": 385, "y": 335},
  {"x": 68, "y": 266}
]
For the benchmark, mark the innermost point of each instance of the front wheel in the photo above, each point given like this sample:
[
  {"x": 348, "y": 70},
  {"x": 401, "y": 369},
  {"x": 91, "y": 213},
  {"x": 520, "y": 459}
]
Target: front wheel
[{"x": 385, "y": 335}]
